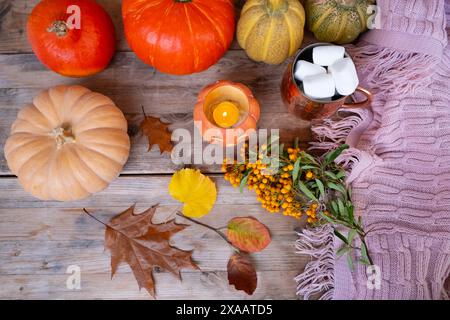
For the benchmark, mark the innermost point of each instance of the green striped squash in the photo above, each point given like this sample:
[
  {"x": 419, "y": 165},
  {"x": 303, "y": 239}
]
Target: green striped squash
[
  {"x": 338, "y": 21},
  {"x": 271, "y": 30}
]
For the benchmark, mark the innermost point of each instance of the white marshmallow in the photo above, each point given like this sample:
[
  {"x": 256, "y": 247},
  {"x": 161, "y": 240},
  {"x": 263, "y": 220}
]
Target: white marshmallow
[
  {"x": 305, "y": 69},
  {"x": 327, "y": 55},
  {"x": 345, "y": 76},
  {"x": 319, "y": 86}
]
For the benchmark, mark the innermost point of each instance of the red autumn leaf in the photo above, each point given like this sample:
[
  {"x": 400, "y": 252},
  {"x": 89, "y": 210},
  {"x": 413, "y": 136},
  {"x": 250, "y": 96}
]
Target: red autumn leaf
[
  {"x": 248, "y": 234},
  {"x": 134, "y": 239},
  {"x": 242, "y": 273}
]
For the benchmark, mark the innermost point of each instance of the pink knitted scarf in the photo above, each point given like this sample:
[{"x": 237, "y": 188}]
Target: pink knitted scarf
[{"x": 399, "y": 163}]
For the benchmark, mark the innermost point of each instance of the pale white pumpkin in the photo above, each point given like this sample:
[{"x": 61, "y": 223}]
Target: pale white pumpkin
[{"x": 68, "y": 144}]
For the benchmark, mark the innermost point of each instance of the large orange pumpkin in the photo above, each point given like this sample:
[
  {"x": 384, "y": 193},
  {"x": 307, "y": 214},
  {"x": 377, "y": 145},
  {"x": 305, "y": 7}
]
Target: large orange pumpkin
[
  {"x": 179, "y": 36},
  {"x": 69, "y": 143},
  {"x": 69, "y": 48}
]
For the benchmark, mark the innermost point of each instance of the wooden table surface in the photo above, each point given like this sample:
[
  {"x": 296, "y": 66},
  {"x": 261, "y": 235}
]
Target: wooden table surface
[{"x": 40, "y": 240}]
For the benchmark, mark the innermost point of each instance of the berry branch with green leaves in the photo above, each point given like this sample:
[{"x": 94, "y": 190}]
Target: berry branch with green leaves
[{"x": 296, "y": 183}]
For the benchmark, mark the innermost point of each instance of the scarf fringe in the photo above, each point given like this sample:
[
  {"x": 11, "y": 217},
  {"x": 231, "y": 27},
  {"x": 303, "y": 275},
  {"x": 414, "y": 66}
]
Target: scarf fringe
[
  {"x": 331, "y": 133},
  {"x": 318, "y": 276},
  {"x": 318, "y": 242},
  {"x": 349, "y": 159},
  {"x": 391, "y": 71}
]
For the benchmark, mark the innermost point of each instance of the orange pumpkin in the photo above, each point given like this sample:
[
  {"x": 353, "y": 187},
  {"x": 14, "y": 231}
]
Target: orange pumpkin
[
  {"x": 179, "y": 36},
  {"x": 210, "y": 97},
  {"x": 69, "y": 48},
  {"x": 68, "y": 144}
]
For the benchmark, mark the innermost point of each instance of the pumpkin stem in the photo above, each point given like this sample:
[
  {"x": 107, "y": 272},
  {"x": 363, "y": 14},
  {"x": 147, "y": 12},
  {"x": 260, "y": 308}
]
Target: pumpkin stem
[
  {"x": 275, "y": 5},
  {"x": 59, "y": 27},
  {"x": 62, "y": 136}
]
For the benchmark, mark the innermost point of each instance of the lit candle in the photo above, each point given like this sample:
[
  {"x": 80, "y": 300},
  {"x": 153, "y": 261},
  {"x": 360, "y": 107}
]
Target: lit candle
[{"x": 226, "y": 114}]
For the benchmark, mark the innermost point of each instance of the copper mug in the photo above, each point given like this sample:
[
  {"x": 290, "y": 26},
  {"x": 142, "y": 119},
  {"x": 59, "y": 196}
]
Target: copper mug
[{"x": 306, "y": 108}]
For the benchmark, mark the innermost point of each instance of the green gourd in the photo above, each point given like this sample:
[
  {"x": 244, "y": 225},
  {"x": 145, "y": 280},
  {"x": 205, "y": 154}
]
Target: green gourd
[
  {"x": 338, "y": 21},
  {"x": 271, "y": 30}
]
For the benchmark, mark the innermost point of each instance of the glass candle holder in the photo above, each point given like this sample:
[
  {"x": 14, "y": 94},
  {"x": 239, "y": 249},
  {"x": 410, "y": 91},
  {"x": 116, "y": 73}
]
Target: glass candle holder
[{"x": 215, "y": 112}]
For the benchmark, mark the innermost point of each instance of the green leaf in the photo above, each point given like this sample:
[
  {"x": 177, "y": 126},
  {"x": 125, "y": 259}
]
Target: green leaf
[
  {"x": 296, "y": 142},
  {"x": 244, "y": 181},
  {"x": 336, "y": 187},
  {"x": 334, "y": 208},
  {"x": 364, "y": 255},
  {"x": 321, "y": 187},
  {"x": 323, "y": 215},
  {"x": 332, "y": 155},
  {"x": 340, "y": 174},
  {"x": 350, "y": 208},
  {"x": 281, "y": 151},
  {"x": 296, "y": 170},
  {"x": 350, "y": 260},
  {"x": 273, "y": 147},
  {"x": 331, "y": 175},
  {"x": 307, "y": 156},
  {"x": 340, "y": 236},
  {"x": 343, "y": 250},
  {"x": 272, "y": 139},
  {"x": 266, "y": 159},
  {"x": 306, "y": 191},
  {"x": 252, "y": 155},
  {"x": 351, "y": 236},
  {"x": 342, "y": 210},
  {"x": 274, "y": 164},
  {"x": 308, "y": 166}
]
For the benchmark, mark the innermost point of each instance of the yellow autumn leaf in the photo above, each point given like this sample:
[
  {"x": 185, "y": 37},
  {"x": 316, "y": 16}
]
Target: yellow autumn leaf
[{"x": 195, "y": 190}]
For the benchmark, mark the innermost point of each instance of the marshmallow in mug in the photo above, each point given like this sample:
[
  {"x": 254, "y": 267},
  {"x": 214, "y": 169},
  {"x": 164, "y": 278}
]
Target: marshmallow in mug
[
  {"x": 342, "y": 71},
  {"x": 305, "y": 69},
  {"x": 319, "y": 86},
  {"x": 327, "y": 55},
  {"x": 345, "y": 76}
]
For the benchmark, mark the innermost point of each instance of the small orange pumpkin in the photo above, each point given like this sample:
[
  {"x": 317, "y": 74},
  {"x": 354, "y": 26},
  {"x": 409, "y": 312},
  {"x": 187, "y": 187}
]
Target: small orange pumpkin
[
  {"x": 216, "y": 93},
  {"x": 71, "y": 50},
  {"x": 68, "y": 144}
]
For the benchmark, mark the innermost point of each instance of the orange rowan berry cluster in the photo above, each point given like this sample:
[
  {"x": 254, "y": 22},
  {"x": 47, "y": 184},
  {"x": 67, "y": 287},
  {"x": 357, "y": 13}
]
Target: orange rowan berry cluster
[
  {"x": 233, "y": 172},
  {"x": 311, "y": 213},
  {"x": 274, "y": 191}
]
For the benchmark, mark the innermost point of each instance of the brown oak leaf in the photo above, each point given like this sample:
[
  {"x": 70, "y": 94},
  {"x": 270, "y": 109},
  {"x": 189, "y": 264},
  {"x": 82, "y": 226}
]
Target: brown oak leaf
[
  {"x": 157, "y": 133},
  {"x": 242, "y": 273},
  {"x": 134, "y": 239}
]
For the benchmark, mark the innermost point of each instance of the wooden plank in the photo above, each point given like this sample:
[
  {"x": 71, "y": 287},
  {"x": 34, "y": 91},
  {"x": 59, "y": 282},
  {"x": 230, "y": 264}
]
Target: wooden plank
[
  {"x": 39, "y": 247},
  {"x": 39, "y": 240},
  {"x": 131, "y": 84},
  {"x": 210, "y": 252},
  {"x": 127, "y": 72},
  {"x": 124, "y": 191},
  {"x": 276, "y": 285}
]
